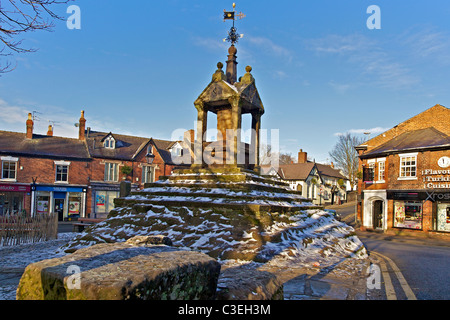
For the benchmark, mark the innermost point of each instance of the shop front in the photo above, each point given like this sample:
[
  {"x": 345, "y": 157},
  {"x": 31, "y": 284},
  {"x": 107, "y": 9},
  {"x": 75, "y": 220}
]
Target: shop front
[
  {"x": 103, "y": 195},
  {"x": 67, "y": 202},
  {"x": 427, "y": 210},
  {"x": 13, "y": 198}
]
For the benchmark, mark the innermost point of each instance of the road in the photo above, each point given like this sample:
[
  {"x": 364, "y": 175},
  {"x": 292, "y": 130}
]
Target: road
[{"x": 423, "y": 263}]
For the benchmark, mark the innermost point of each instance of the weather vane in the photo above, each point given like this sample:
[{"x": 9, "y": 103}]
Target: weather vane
[{"x": 233, "y": 36}]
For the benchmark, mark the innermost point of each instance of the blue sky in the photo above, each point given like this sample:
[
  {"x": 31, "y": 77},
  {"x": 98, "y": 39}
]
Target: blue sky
[{"x": 136, "y": 67}]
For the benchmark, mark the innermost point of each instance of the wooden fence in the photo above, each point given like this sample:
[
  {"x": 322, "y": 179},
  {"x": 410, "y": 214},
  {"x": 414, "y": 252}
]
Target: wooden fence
[{"x": 18, "y": 229}]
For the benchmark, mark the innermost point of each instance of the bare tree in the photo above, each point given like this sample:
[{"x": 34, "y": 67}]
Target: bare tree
[
  {"x": 20, "y": 16},
  {"x": 286, "y": 158},
  {"x": 345, "y": 156}
]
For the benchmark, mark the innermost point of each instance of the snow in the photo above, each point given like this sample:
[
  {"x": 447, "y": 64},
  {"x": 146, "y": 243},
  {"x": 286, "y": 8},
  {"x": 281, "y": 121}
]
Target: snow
[{"x": 309, "y": 239}]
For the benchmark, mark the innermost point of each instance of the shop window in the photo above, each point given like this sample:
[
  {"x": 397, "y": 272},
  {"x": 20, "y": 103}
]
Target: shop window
[
  {"x": 9, "y": 169},
  {"x": 42, "y": 202},
  {"x": 408, "y": 215},
  {"x": 11, "y": 203},
  {"x": 111, "y": 171},
  {"x": 148, "y": 174},
  {"x": 104, "y": 201},
  {"x": 443, "y": 216},
  {"x": 74, "y": 204},
  {"x": 62, "y": 173},
  {"x": 408, "y": 166}
]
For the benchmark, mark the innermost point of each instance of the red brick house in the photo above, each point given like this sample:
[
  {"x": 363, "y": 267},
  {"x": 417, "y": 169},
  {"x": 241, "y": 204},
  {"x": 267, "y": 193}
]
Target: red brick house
[
  {"x": 405, "y": 176},
  {"x": 76, "y": 177}
]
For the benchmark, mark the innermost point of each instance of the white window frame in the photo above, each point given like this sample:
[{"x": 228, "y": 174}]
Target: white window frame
[
  {"x": 412, "y": 156},
  {"x": 111, "y": 172},
  {"x": 110, "y": 143},
  {"x": 145, "y": 174},
  {"x": 381, "y": 162},
  {"x": 9, "y": 160}
]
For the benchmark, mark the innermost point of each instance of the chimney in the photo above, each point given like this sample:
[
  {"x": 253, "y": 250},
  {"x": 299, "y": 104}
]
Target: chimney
[
  {"x": 332, "y": 164},
  {"x": 190, "y": 134},
  {"x": 50, "y": 131},
  {"x": 302, "y": 156},
  {"x": 30, "y": 124},
  {"x": 82, "y": 127}
]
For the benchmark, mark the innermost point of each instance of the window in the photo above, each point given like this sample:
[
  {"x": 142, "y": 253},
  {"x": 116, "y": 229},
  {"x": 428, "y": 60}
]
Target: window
[
  {"x": 443, "y": 216},
  {"x": 408, "y": 215},
  {"x": 369, "y": 172},
  {"x": 148, "y": 174},
  {"x": 42, "y": 202},
  {"x": 9, "y": 170},
  {"x": 408, "y": 165},
  {"x": 104, "y": 201},
  {"x": 111, "y": 171},
  {"x": 381, "y": 170},
  {"x": 110, "y": 143},
  {"x": 62, "y": 173}
]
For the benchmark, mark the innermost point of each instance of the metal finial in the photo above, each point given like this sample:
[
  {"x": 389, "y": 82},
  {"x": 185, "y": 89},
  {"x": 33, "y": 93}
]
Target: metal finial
[{"x": 233, "y": 36}]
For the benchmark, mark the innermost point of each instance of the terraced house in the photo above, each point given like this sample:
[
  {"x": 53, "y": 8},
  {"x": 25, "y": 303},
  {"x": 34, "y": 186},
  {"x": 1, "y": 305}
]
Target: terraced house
[
  {"x": 76, "y": 177},
  {"x": 405, "y": 176}
]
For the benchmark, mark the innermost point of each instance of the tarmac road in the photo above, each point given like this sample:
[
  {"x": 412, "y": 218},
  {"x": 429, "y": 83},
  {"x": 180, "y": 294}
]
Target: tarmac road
[{"x": 423, "y": 263}]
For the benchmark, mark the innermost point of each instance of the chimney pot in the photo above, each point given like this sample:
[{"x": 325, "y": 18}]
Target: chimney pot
[
  {"x": 302, "y": 156},
  {"x": 50, "y": 131},
  {"x": 30, "y": 124},
  {"x": 82, "y": 127}
]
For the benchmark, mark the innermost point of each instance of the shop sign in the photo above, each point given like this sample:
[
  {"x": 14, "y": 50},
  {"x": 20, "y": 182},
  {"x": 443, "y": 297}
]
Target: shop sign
[
  {"x": 14, "y": 188},
  {"x": 437, "y": 179},
  {"x": 438, "y": 196},
  {"x": 59, "y": 189}
]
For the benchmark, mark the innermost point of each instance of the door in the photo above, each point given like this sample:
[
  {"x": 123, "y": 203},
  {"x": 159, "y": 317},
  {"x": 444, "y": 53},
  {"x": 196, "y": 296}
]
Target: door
[
  {"x": 59, "y": 208},
  {"x": 377, "y": 214}
]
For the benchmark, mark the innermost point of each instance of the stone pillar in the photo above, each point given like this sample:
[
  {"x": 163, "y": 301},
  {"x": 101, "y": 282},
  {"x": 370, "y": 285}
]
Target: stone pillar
[
  {"x": 236, "y": 119},
  {"x": 256, "y": 126},
  {"x": 202, "y": 116},
  {"x": 232, "y": 65}
]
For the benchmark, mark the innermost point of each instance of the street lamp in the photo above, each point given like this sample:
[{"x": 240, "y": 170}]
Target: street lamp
[{"x": 150, "y": 157}]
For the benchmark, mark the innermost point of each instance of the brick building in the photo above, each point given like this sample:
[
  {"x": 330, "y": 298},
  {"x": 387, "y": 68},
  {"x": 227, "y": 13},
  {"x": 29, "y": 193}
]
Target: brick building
[
  {"x": 76, "y": 177},
  {"x": 405, "y": 176},
  {"x": 321, "y": 183}
]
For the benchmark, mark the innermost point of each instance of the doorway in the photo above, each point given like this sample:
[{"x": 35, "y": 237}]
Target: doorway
[
  {"x": 377, "y": 214},
  {"x": 59, "y": 208}
]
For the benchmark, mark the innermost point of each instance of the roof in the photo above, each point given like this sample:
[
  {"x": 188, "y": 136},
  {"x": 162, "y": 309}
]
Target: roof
[
  {"x": 296, "y": 171},
  {"x": 163, "y": 147},
  {"x": 327, "y": 170},
  {"x": 126, "y": 148},
  {"x": 428, "y": 138},
  {"x": 14, "y": 143},
  {"x": 301, "y": 171}
]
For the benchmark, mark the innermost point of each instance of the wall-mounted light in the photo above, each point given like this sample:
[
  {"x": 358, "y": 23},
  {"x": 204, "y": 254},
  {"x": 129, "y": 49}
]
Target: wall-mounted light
[{"x": 150, "y": 157}]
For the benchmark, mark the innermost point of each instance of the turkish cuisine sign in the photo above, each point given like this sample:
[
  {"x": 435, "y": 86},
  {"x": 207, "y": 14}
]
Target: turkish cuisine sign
[{"x": 437, "y": 179}]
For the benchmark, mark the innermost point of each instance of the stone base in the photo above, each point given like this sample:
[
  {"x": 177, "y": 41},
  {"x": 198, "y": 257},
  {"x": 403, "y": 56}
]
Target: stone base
[{"x": 122, "y": 271}]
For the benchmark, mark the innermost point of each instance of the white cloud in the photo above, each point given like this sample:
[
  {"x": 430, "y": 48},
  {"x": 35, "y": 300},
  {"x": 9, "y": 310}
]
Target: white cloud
[
  {"x": 367, "y": 57},
  {"x": 372, "y": 131},
  {"x": 270, "y": 47}
]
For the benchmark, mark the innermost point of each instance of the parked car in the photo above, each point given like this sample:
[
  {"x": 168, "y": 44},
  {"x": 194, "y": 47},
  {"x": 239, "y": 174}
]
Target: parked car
[{"x": 336, "y": 215}]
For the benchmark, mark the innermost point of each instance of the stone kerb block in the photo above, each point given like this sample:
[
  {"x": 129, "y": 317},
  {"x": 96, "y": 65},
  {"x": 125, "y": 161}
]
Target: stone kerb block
[{"x": 122, "y": 271}]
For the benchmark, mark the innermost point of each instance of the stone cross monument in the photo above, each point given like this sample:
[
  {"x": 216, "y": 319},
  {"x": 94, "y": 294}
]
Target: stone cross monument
[{"x": 229, "y": 99}]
